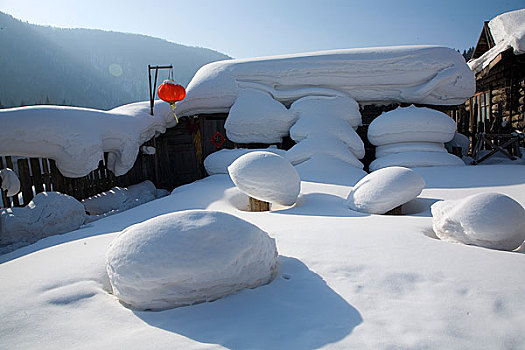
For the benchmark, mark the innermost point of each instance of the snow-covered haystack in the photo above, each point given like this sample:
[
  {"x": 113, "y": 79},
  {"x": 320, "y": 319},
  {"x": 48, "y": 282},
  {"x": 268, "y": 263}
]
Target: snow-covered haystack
[
  {"x": 384, "y": 190},
  {"x": 76, "y": 138},
  {"x": 508, "y": 31},
  {"x": 267, "y": 177},
  {"x": 188, "y": 257},
  {"x": 122, "y": 198},
  {"x": 218, "y": 162},
  {"x": 490, "y": 220},
  {"x": 257, "y": 117},
  {"x": 49, "y": 213},
  {"x": 10, "y": 181},
  {"x": 409, "y": 74},
  {"x": 412, "y": 137}
]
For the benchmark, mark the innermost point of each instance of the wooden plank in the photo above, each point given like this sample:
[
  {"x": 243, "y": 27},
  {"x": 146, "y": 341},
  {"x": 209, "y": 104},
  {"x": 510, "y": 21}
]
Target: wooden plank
[
  {"x": 258, "y": 205},
  {"x": 46, "y": 174},
  {"x": 25, "y": 180},
  {"x": 9, "y": 163},
  {"x": 36, "y": 178}
]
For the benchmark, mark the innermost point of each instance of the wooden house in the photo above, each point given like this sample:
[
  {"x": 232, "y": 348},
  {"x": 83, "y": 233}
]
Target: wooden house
[{"x": 498, "y": 104}]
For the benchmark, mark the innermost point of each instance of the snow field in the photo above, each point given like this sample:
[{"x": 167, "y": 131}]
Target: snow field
[
  {"x": 267, "y": 177},
  {"x": 384, "y": 190},
  {"x": 188, "y": 257},
  {"x": 412, "y": 137}
]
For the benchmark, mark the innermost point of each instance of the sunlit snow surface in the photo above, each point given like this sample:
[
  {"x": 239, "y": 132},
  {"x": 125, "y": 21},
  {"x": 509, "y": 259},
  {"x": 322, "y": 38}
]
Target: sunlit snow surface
[{"x": 346, "y": 279}]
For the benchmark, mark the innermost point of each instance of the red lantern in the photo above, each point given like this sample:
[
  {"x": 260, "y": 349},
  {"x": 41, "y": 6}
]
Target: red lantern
[{"x": 170, "y": 92}]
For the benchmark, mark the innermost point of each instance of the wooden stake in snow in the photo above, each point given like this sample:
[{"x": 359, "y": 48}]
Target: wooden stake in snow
[
  {"x": 396, "y": 211},
  {"x": 257, "y": 205}
]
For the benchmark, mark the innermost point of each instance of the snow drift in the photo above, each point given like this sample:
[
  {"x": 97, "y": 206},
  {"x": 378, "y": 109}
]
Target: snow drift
[
  {"x": 508, "y": 32},
  {"x": 267, "y": 177},
  {"x": 384, "y": 190},
  {"x": 490, "y": 220},
  {"x": 76, "y": 138},
  {"x": 188, "y": 257},
  {"x": 410, "y": 74}
]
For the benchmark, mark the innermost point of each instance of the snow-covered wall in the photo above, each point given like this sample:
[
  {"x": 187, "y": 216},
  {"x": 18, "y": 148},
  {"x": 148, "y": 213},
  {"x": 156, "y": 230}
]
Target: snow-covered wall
[
  {"x": 412, "y": 74},
  {"x": 508, "y": 31},
  {"x": 76, "y": 138}
]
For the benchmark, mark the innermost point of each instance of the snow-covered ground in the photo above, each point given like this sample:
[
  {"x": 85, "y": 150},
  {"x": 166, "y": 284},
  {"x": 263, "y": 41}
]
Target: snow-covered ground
[{"x": 346, "y": 279}]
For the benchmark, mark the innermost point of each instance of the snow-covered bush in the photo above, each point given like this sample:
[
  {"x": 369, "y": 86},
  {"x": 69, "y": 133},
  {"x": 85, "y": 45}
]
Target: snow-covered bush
[
  {"x": 490, "y": 220},
  {"x": 267, "y": 177},
  {"x": 49, "y": 213},
  {"x": 188, "y": 257},
  {"x": 384, "y": 190},
  {"x": 122, "y": 198},
  {"x": 319, "y": 144},
  {"x": 257, "y": 117},
  {"x": 416, "y": 159},
  {"x": 218, "y": 162}
]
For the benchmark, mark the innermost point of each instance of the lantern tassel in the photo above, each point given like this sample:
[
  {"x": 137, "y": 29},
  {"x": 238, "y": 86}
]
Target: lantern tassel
[{"x": 173, "y": 106}]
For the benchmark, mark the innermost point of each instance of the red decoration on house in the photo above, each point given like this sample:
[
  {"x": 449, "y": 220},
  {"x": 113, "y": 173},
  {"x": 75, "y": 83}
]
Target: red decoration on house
[
  {"x": 218, "y": 140},
  {"x": 170, "y": 92}
]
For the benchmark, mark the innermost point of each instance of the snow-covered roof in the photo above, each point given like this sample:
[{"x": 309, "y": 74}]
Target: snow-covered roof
[
  {"x": 508, "y": 31},
  {"x": 76, "y": 138},
  {"x": 411, "y": 74}
]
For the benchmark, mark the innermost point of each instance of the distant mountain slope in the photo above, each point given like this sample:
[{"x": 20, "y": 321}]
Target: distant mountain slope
[{"x": 85, "y": 67}]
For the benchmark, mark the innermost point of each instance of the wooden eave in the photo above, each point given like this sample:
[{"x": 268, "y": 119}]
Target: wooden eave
[{"x": 485, "y": 41}]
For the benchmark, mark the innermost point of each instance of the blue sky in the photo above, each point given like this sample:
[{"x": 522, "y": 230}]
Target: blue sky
[{"x": 245, "y": 28}]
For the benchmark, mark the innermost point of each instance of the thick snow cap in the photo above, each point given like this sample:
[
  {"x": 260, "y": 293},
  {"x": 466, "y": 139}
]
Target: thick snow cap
[
  {"x": 328, "y": 107},
  {"x": 402, "y": 147},
  {"x": 508, "y": 31},
  {"x": 409, "y": 74},
  {"x": 490, "y": 220},
  {"x": 188, "y": 257},
  {"x": 257, "y": 117},
  {"x": 76, "y": 138},
  {"x": 267, "y": 177},
  {"x": 411, "y": 124},
  {"x": 416, "y": 160},
  {"x": 384, "y": 190},
  {"x": 218, "y": 162}
]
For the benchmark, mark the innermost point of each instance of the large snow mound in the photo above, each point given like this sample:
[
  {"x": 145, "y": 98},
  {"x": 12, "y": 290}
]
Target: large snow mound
[
  {"x": 327, "y": 169},
  {"x": 76, "y": 138},
  {"x": 267, "y": 177},
  {"x": 508, "y": 31},
  {"x": 218, "y": 162},
  {"x": 491, "y": 220},
  {"x": 189, "y": 257},
  {"x": 257, "y": 117},
  {"x": 317, "y": 144},
  {"x": 384, "y": 190},
  {"x": 410, "y": 74},
  {"x": 309, "y": 125},
  {"x": 416, "y": 160},
  {"x": 328, "y": 107},
  {"x": 49, "y": 213},
  {"x": 411, "y": 124},
  {"x": 401, "y": 147}
]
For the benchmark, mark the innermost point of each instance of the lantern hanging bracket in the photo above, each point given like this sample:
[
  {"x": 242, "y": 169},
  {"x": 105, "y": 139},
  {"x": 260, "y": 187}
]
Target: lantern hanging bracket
[{"x": 152, "y": 91}]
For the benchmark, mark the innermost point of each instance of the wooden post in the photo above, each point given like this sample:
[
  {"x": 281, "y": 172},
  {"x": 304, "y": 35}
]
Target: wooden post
[{"x": 257, "y": 205}]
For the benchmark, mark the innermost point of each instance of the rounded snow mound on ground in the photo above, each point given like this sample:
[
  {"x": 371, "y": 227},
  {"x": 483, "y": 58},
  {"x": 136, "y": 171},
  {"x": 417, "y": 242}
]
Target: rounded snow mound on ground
[
  {"x": 490, "y": 220},
  {"x": 384, "y": 190},
  {"x": 257, "y": 117},
  {"x": 218, "y": 162},
  {"x": 308, "y": 126},
  {"x": 416, "y": 160},
  {"x": 49, "y": 213},
  {"x": 339, "y": 173},
  {"x": 267, "y": 177},
  {"x": 411, "y": 124},
  {"x": 10, "y": 182},
  {"x": 459, "y": 140},
  {"x": 328, "y": 107},
  {"x": 322, "y": 144},
  {"x": 188, "y": 257},
  {"x": 401, "y": 147}
]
